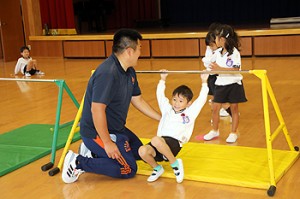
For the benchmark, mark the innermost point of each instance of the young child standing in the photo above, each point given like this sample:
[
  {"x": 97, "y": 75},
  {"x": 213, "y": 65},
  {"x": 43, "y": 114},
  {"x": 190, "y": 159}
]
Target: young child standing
[
  {"x": 229, "y": 87},
  {"x": 175, "y": 127},
  {"x": 210, "y": 57},
  {"x": 26, "y": 65}
]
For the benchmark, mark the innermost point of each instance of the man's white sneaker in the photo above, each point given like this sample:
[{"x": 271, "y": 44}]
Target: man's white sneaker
[
  {"x": 232, "y": 138},
  {"x": 70, "y": 174},
  {"x": 155, "y": 174},
  {"x": 223, "y": 113},
  {"x": 211, "y": 135},
  {"x": 178, "y": 171},
  {"x": 84, "y": 151}
]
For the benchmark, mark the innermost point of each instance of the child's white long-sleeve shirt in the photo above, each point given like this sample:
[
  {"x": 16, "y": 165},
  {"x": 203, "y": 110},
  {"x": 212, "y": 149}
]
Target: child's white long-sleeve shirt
[
  {"x": 21, "y": 65},
  {"x": 178, "y": 125},
  {"x": 209, "y": 57}
]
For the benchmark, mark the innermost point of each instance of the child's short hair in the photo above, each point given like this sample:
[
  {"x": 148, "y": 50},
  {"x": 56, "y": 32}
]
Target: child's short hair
[
  {"x": 24, "y": 48},
  {"x": 210, "y": 38},
  {"x": 184, "y": 91}
]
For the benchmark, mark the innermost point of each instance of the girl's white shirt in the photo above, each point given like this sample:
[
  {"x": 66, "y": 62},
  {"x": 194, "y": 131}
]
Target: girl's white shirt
[
  {"x": 209, "y": 58},
  {"x": 228, "y": 61}
]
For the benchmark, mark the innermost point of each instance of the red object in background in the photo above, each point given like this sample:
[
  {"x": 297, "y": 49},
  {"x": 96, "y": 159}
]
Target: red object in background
[{"x": 57, "y": 14}]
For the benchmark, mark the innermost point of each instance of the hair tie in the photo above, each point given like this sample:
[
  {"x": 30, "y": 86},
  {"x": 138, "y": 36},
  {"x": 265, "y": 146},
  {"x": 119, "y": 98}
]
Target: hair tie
[{"x": 227, "y": 35}]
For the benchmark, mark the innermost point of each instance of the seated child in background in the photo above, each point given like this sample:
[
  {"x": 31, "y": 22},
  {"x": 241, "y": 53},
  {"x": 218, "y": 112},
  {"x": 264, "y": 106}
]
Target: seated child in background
[
  {"x": 175, "y": 127},
  {"x": 26, "y": 65}
]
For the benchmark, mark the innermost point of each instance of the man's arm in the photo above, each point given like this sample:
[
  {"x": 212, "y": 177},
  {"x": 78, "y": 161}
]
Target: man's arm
[
  {"x": 100, "y": 122},
  {"x": 140, "y": 104}
]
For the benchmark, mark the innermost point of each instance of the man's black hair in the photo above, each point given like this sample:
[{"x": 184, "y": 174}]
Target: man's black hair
[{"x": 125, "y": 38}]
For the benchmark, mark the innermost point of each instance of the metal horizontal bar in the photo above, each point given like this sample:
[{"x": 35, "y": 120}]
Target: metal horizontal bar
[
  {"x": 194, "y": 71},
  {"x": 29, "y": 80}
]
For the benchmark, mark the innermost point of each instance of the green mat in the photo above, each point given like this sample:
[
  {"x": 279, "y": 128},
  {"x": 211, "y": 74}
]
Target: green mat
[{"x": 26, "y": 144}]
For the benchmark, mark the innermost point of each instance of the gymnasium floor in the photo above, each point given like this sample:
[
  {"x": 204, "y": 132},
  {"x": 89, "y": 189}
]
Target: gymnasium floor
[{"x": 30, "y": 102}]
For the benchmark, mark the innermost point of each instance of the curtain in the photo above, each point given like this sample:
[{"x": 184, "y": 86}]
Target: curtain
[{"x": 57, "y": 17}]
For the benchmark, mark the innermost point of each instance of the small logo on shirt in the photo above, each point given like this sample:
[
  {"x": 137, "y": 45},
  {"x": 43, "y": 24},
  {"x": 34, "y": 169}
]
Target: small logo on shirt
[
  {"x": 132, "y": 80},
  {"x": 229, "y": 62},
  {"x": 185, "y": 119}
]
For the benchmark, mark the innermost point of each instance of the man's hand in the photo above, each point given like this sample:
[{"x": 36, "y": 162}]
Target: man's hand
[{"x": 112, "y": 150}]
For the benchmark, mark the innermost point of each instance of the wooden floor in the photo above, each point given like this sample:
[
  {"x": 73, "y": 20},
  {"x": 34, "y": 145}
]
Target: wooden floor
[{"x": 31, "y": 102}]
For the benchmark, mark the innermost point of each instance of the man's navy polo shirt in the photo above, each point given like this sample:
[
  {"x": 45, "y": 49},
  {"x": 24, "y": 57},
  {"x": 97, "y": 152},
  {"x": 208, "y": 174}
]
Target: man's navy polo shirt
[{"x": 113, "y": 86}]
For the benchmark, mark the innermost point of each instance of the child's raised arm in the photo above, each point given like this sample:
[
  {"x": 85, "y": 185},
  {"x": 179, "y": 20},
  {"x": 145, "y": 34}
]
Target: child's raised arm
[
  {"x": 204, "y": 77},
  {"x": 164, "y": 74}
]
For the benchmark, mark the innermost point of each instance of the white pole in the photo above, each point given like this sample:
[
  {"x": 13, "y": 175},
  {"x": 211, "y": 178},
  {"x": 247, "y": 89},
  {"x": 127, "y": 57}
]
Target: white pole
[
  {"x": 29, "y": 80},
  {"x": 194, "y": 71}
]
